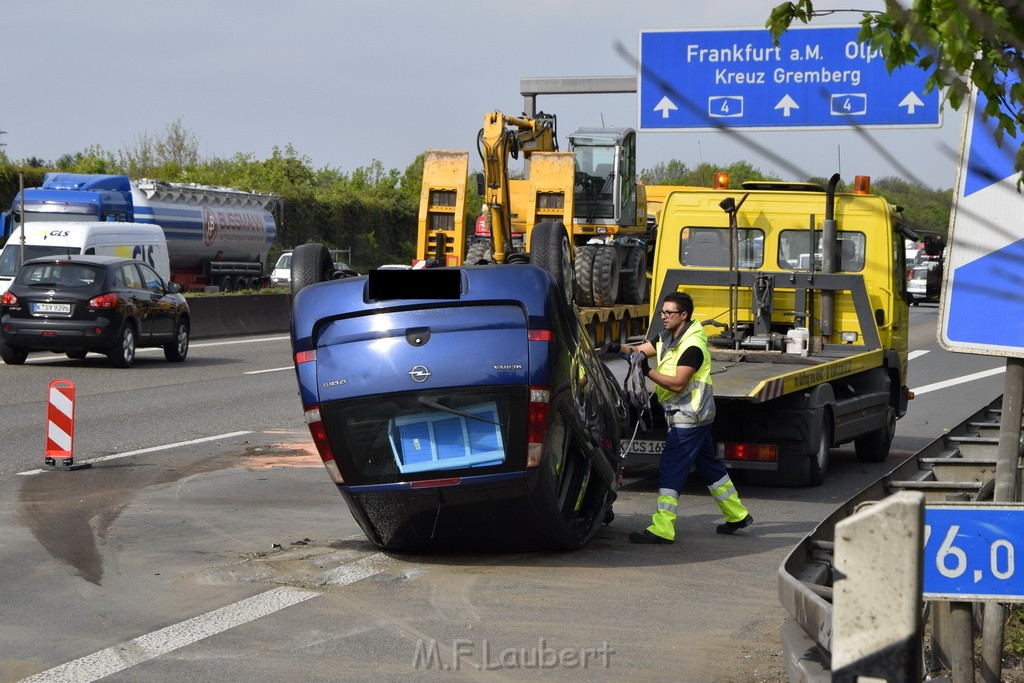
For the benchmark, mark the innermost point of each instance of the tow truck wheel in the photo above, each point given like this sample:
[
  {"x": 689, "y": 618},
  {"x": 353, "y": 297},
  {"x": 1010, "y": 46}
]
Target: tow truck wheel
[
  {"x": 606, "y": 276},
  {"x": 311, "y": 263},
  {"x": 819, "y": 459},
  {"x": 583, "y": 273},
  {"x": 549, "y": 249},
  {"x": 874, "y": 447}
]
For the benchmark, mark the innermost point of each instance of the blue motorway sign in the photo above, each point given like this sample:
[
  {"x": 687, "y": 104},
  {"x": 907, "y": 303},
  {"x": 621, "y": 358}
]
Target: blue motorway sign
[
  {"x": 981, "y": 283},
  {"x": 970, "y": 552},
  {"x": 737, "y": 78}
]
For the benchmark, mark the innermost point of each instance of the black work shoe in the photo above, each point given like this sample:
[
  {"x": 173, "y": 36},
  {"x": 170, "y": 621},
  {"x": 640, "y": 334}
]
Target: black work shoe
[
  {"x": 733, "y": 527},
  {"x": 646, "y": 536}
]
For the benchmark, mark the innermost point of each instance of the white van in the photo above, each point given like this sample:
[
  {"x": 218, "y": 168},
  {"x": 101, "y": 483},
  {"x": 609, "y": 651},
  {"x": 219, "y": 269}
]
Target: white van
[
  {"x": 142, "y": 241},
  {"x": 282, "y": 273}
]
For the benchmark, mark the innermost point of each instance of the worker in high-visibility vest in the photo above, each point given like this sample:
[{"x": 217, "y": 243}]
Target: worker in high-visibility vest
[{"x": 683, "y": 379}]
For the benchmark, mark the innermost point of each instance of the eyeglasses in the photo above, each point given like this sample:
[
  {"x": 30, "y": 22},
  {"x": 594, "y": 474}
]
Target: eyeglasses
[{"x": 664, "y": 312}]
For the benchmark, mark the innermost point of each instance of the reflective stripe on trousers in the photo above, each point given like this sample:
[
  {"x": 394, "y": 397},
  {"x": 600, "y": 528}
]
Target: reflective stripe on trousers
[
  {"x": 728, "y": 499},
  {"x": 663, "y": 523}
]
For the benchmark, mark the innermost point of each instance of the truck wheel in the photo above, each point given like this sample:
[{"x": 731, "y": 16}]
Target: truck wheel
[
  {"x": 241, "y": 283},
  {"x": 606, "y": 276},
  {"x": 549, "y": 249},
  {"x": 819, "y": 458},
  {"x": 176, "y": 350},
  {"x": 583, "y": 273},
  {"x": 13, "y": 355},
  {"x": 874, "y": 447},
  {"x": 122, "y": 354},
  {"x": 633, "y": 289},
  {"x": 227, "y": 284},
  {"x": 480, "y": 250},
  {"x": 311, "y": 263}
]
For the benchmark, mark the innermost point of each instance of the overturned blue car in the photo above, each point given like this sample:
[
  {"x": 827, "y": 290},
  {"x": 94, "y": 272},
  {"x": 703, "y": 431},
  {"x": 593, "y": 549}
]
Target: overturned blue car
[{"x": 457, "y": 408}]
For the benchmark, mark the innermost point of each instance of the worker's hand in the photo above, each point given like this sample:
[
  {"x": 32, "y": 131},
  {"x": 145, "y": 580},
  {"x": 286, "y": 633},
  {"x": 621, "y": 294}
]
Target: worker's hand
[{"x": 645, "y": 366}]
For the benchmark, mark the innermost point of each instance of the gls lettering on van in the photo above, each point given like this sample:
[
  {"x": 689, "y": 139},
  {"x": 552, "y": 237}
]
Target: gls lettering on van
[
  {"x": 60, "y": 233},
  {"x": 144, "y": 252}
]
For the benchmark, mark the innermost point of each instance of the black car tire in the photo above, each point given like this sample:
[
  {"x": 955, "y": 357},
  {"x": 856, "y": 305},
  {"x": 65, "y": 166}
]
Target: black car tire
[
  {"x": 549, "y": 249},
  {"x": 311, "y": 263},
  {"x": 176, "y": 350},
  {"x": 122, "y": 354},
  {"x": 75, "y": 354},
  {"x": 13, "y": 355}
]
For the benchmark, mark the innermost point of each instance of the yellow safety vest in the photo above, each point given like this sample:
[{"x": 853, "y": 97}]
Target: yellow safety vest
[{"x": 695, "y": 404}]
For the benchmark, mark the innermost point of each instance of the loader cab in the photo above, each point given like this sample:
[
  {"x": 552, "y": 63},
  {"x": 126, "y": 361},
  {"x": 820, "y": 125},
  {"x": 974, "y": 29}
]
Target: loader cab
[{"x": 606, "y": 177}]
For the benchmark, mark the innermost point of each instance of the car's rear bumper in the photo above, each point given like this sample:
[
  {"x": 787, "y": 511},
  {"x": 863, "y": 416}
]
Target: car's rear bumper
[{"x": 58, "y": 335}]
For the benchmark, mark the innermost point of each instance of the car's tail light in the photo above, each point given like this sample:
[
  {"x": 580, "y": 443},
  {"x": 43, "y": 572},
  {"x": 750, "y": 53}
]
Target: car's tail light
[
  {"x": 108, "y": 300},
  {"x": 318, "y": 431},
  {"x": 751, "y": 452},
  {"x": 305, "y": 357},
  {"x": 537, "y": 425},
  {"x": 9, "y": 299}
]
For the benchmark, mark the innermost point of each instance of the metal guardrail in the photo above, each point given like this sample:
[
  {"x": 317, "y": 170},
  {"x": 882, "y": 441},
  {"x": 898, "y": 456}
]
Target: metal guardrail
[{"x": 959, "y": 465}]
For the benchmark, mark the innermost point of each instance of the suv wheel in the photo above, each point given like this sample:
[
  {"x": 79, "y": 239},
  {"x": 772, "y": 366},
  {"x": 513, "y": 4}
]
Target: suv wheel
[
  {"x": 176, "y": 351},
  {"x": 122, "y": 354},
  {"x": 13, "y": 355}
]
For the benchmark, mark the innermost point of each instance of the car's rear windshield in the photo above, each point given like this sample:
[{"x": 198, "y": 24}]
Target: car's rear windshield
[
  {"x": 61, "y": 275},
  {"x": 409, "y": 436}
]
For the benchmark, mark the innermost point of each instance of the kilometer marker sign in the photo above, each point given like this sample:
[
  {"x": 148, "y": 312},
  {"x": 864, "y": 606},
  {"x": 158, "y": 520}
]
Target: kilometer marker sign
[{"x": 820, "y": 77}]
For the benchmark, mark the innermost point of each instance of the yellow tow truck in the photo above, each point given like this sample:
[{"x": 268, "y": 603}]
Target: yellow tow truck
[{"x": 802, "y": 292}]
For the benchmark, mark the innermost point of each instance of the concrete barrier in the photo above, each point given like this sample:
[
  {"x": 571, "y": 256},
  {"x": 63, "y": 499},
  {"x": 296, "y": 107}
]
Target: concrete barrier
[{"x": 237, "y": 315}]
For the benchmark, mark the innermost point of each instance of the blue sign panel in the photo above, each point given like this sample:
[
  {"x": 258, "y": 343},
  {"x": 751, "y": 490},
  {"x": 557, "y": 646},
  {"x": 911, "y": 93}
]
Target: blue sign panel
[
  {"x": 982, "y": 281},
  {"x": 970, "y": 553},
  {"x": 814, "y": 78}
]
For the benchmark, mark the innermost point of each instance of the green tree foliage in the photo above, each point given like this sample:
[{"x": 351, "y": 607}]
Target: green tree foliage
[
  {"x": 678, "y": 173},
  {"x": 925, "y": 210},
  {"x": 983, "y": 40}
]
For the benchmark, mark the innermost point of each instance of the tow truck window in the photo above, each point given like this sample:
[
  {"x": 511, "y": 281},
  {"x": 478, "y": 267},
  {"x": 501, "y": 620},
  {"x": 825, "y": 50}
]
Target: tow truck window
[
  {"x": 709, "y": 247},
  {"x": 795, "y": 251}
]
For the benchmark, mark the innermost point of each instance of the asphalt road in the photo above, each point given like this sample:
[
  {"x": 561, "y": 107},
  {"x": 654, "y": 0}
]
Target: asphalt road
[{"x": 209, "y": 544}]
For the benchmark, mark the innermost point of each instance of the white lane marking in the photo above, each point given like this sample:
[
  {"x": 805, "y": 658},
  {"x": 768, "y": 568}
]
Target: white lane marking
[
  {"x": 120, "y": 657},
  {"x": 960, "y": 380},
  {"x": 917, "y": 354},
  {"x": 152, "y": 349},
  {"x": 152, "y": 449},
  {"x": 260, "y": 372}
]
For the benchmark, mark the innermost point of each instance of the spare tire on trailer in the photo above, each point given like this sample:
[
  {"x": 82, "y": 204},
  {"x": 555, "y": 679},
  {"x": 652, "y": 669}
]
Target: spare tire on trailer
[{"x": 311, "y": 263}]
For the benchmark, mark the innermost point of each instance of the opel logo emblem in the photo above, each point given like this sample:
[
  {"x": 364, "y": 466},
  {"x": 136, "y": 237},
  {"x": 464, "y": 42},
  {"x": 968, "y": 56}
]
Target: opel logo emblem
[{"x": 419, "y": 373}]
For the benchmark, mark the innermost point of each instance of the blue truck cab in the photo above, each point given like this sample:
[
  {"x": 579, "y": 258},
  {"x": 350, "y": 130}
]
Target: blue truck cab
[{"x": 459, "y": 407}]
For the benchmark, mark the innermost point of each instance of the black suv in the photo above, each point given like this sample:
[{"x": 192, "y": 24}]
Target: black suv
[{"x": 105, "y": 304}]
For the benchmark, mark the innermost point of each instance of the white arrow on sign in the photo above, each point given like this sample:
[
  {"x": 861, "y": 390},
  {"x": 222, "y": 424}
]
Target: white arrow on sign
[
  {"x": 665, "y": 106},
  {"x": 911, "y": 102},
  {"x": 786, "y": 104}
]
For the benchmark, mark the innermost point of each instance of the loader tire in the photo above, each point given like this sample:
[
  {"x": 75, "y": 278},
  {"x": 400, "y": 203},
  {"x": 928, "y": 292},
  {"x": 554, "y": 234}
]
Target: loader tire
[
  {"x": 549, "y": 249},
  {"x": 606, "y": 276},
  {"x": 311, "y": 263},
  {"x": 583, "y": 274},
  {"x": 480, "y": 250},
  {"x": 633, "y": 287}
]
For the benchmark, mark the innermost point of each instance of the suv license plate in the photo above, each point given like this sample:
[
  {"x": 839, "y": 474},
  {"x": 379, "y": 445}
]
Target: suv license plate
[
  {"x": 51, "y": 308},
  {"x": 643, "y": 446}
]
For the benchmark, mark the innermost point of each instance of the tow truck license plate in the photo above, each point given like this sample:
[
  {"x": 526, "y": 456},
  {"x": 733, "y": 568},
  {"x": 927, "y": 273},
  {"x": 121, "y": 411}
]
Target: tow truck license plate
[
  {"x": 51, "y": 308},
  {"x": 643, "y": 446}
]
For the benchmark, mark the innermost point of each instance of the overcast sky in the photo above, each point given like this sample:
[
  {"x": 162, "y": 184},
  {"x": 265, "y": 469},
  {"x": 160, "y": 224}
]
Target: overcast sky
[{"x": 347, "y": 82}]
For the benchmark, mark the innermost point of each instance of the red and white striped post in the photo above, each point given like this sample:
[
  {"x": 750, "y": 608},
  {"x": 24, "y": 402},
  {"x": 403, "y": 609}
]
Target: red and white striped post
[{"x": 60, "y": 425}]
